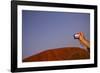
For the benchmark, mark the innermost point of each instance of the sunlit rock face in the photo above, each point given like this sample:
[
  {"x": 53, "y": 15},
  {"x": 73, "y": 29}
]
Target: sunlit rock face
[{"x": 66, "y": 53}]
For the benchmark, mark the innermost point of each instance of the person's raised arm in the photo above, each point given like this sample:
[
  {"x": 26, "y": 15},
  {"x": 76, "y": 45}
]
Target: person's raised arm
[{"x": 84, "y": 41}]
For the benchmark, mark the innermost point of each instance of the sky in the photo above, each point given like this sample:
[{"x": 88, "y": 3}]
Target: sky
[{"x": 43, "y": 30}]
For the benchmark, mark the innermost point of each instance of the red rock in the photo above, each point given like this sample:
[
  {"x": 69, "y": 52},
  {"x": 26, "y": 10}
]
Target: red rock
[{"x": 66, "y": 53}]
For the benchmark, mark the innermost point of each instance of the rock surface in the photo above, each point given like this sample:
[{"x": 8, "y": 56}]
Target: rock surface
[{"x": 66, "y": 53}]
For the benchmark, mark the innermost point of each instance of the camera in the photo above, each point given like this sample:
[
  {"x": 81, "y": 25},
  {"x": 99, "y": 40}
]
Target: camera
[{"x": 76, "y": 36}]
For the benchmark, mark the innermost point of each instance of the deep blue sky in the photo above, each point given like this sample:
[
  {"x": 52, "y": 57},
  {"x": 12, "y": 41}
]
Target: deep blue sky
[{"x": 42, "y": 30}]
